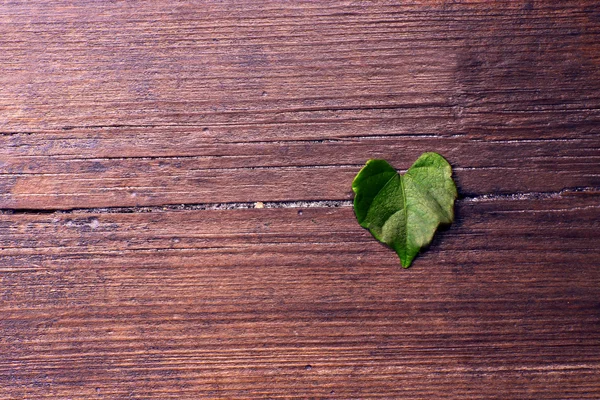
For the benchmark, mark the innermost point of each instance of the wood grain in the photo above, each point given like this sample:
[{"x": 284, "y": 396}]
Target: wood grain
[
  {"x": 104, "y": 110},
  {"x": 162, "y": 171},
  {"x": 243, "y": 303},
  {"x": 121, "y": 121}
]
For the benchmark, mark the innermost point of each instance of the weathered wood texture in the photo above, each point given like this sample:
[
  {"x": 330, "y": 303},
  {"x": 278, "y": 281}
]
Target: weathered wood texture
[
  {"x": 123, "y": 105},
  {"x": 155, "y": 103},
  {"x": 41, "y": 177},
  {"x": 236, "y": 303}
]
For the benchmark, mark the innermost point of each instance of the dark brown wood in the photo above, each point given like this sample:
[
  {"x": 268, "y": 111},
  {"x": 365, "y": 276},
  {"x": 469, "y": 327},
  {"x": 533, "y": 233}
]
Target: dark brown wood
[
  {"x": 271, "y": 302},
  {"x": 154, "y": 110},
  {"x": 162, "y": 171}
]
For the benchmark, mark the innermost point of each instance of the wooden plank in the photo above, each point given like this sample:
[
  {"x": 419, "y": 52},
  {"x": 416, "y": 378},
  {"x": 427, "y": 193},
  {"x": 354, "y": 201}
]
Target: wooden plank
[
  {"x": 118, "y": 104},
  {"x": 203, "y": 95},
  {"x": 90, "y": 172},
  {"x": 482, "y": 64},
  {"x": 277, "y": 303}
]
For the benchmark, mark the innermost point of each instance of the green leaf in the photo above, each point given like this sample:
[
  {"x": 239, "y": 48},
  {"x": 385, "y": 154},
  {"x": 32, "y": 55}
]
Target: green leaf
[{"x": 404, "y": 211}]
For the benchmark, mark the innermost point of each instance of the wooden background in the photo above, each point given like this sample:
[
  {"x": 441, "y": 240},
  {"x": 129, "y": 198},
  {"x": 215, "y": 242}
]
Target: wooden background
[{"x": 136, "y": 137}]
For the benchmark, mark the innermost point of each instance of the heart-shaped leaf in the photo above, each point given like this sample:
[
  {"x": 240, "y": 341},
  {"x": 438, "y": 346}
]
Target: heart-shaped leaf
[{"x": 404, "y": 211}]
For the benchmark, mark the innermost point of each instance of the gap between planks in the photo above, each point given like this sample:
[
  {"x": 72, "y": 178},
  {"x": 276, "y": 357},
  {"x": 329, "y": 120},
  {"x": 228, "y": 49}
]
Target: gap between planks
[{"x": 299, "y": 204}]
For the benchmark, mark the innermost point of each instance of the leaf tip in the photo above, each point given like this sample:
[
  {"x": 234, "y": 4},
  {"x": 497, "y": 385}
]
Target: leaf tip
[{"x": 406, "y": 261}]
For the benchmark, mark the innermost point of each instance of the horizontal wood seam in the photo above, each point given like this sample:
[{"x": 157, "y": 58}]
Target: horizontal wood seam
[{"x": 285, "y": 204}]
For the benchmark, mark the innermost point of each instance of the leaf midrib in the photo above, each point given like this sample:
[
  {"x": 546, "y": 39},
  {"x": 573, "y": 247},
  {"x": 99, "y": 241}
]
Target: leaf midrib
[{"x": 404, "y": 209}]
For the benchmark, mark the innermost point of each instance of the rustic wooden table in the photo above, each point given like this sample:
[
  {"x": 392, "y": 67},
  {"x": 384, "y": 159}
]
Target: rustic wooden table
[{"x": 137, "y": 137}]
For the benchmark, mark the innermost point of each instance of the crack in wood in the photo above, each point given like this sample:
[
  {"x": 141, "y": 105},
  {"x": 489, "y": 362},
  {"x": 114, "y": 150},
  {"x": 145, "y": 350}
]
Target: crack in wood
[
  {"x": 529, "y": 195},
  {"x": 297, "y": 204},
  {"x": 186, "y": 207}
]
